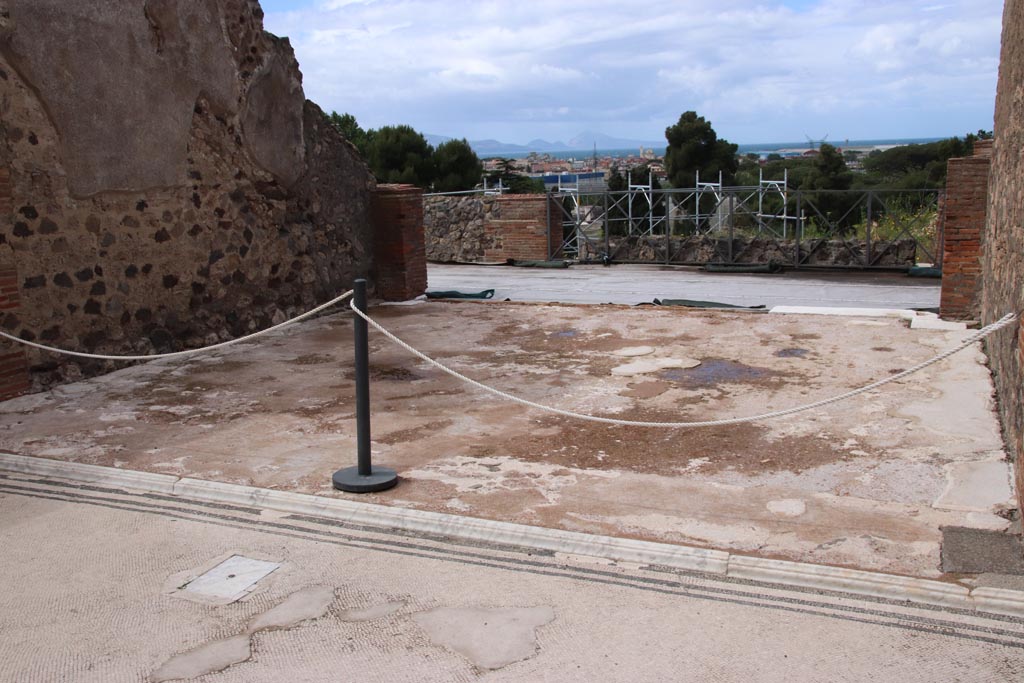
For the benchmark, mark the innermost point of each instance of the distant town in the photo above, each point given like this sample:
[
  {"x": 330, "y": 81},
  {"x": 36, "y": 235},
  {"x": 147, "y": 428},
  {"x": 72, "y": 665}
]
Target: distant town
[{"x": 592, "y": 170}]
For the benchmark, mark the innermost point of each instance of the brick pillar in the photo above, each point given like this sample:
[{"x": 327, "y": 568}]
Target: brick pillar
[
  {"x": 399, "y": 254},
  {"x": 963, "y": 225},
  {"x": 14, "y": 378},
  {"x": 522, "y": 231}
]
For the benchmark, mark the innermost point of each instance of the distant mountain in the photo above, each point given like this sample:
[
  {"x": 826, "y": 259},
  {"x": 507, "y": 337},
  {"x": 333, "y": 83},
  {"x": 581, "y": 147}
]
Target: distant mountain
[
  {"x": 436, "y": 140},
  {"x": 589, "y": 139},
  {"x": 584, "y": 141}
]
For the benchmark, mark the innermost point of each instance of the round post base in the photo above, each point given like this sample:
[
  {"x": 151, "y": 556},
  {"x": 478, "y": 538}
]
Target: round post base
[{"x": 379, "y": 479}]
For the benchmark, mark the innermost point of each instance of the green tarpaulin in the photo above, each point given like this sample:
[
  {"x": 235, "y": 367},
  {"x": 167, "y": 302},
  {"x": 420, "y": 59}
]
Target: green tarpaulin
[
  {"x": 692, "y": 303},
  {"x": 452, "y": 294}
]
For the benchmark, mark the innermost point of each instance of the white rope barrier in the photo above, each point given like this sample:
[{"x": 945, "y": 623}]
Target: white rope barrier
[
  {"x": 978, "y": 336},
  {"x": 188, "y": 352}
]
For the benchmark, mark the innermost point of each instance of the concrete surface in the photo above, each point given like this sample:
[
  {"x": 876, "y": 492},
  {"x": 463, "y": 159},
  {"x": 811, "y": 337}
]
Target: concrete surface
[
  {"x": 866, "y": 484},
  {"x": 90, "y": 565},
  {"x": 634, "y": 284}
]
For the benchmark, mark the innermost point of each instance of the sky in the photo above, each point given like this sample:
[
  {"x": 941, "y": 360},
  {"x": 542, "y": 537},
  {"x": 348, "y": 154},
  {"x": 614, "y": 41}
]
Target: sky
[{"x": 759, "y": 70}]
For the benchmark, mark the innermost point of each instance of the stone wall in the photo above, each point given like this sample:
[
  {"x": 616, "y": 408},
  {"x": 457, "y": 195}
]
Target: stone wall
[
  {"x": 753, "y": 251},
  {"x": 1003, "y": 253},
  {"x": 170, "y": 185},
  {"x": 963, "y": 222},
  {"x": 486, "y": 228},
  {"x": 481, "y": 229}
]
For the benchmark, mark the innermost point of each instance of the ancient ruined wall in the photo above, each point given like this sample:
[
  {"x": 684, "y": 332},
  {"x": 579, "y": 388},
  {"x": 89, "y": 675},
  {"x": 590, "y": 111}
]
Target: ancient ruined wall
[
  {"x": 454, "y": 227},
  {"x": 399, "y": 256},
  {"x": 170, "y": 185},
  {"x": 487, "y": 229},
  {"x": 963, "y": 221},
  {"x": 1003, "y": 257}
]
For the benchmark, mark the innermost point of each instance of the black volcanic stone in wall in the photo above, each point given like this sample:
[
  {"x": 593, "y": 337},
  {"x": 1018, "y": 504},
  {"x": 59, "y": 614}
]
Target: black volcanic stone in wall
[
  {"x": 160, "y": 337},
  {"x": 29, "y": 212},
  {"x": 84, "y": 275},
  {"x": 216, "y": 255},
  {"x": 98, "y": 289},
  {"x": 94, "y": 339},
  {"x": 92, "y": 307},
  {"x": 147, "y": 268},
  {"x": 131, "y": 271},
  {"x": 170, "y": 280},
  {"x": 162, "y": 235},
  {"x": 21, "y": 229},
  {"x": 47, "y": 227},
  {"x": 63, "y": 280},
  {"x": 143, "y": 315}
]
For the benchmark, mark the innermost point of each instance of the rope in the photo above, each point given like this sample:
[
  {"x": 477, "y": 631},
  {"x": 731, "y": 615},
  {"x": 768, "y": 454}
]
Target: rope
[
  {"x": 189, "y": 352},
  {"x": 979, "y": 335}
]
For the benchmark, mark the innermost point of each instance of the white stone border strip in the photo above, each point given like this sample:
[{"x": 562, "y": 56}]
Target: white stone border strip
[
  {"x": 467, "y": 528},
  {"x": 903, "y": 313},
  {"x": 785, "y": 573},
  {"x": 919, "y": 320},
  {"x": 89, "y": 474}
]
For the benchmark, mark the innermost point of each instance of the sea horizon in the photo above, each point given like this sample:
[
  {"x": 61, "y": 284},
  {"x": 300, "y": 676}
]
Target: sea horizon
[{"x": 747, "y": 148}]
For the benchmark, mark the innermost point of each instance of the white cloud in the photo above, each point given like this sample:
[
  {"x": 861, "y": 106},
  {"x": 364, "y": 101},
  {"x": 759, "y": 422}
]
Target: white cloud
[{"x": 756, "y": 68}]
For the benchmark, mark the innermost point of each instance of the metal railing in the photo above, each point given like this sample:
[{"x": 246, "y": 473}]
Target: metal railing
[{"x": 756, "y": 225}]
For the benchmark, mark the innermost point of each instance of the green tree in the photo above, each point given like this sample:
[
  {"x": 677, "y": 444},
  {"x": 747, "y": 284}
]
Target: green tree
[
  {"x": 694, "y": 146},
  {"x": 515, "y": 182},
  {"x": 347, "y": 126},
  {"x": 458, "y": 167},
  {"x": 828, "y": 170},
  {"x": 828, "y": 179},
  {"x": 399, "y": 154}
]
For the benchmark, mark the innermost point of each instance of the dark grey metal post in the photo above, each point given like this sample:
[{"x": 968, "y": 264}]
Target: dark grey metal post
[
  {"x": 363, "y": 478},
  {"x": 869, "y": 256}
]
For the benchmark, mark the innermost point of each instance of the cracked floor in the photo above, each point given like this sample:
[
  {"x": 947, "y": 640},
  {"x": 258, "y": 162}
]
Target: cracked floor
[{"x": 866, "y": 483}]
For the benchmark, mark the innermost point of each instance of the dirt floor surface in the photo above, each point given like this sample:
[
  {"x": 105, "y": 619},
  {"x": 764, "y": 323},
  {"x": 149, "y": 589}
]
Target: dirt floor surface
[{"x": 865, "y": 483}]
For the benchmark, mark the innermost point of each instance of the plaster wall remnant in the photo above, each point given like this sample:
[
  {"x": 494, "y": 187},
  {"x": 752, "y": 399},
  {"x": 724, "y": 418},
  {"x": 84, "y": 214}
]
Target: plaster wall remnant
[
  {"x": 169, "y": 184},
  {"x": 1003, "y": 245}
]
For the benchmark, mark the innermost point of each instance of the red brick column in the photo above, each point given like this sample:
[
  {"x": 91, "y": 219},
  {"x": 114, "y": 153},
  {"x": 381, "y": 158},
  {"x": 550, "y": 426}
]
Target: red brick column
[
  {"x": 522, "y": 231},
  {"x": 14, "y": 379},
  {"x": 963, "y": 225},
  {"x": 399, "y": 253}
]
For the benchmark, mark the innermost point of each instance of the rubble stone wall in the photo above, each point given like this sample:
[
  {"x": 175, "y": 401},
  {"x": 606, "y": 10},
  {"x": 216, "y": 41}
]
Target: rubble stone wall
[
  {"x": 455, "y": 227},
  {"x": 1003, "y": 254},
  {"x": 486, "y": 228},
  {"x": 170, "y": 186}
]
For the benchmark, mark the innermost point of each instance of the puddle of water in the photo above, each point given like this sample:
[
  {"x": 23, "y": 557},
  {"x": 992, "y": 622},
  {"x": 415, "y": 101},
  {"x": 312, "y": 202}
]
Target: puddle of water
[
  {"x": 565, "y": 333},
  {"x": 792, "y": 353},
  {"x": 711, "y": 372}
]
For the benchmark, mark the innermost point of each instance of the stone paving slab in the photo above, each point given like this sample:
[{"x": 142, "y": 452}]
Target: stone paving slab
[
  {"x": 866, "y": 484},
  {"x": 96, "y": 573},
  {"x": 635, "y": 284}
]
